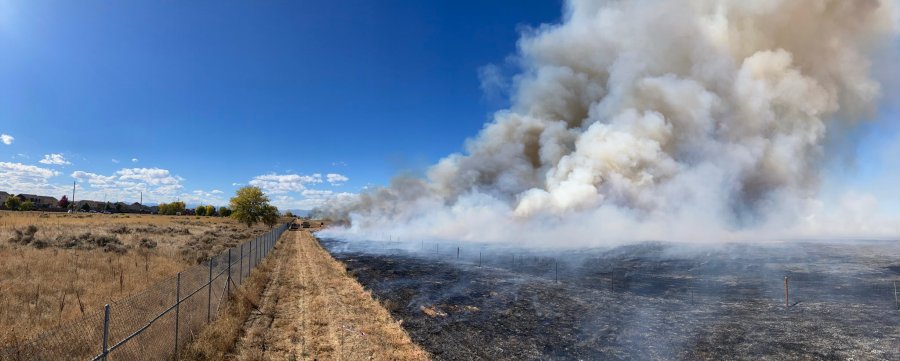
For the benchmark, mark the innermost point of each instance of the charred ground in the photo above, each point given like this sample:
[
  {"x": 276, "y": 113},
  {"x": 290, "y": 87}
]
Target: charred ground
[{"x": 639, "y": 302}]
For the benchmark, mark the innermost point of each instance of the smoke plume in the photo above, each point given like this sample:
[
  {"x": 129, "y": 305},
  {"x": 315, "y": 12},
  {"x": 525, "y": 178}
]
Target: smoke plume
[{"x": 652, "y": 119}]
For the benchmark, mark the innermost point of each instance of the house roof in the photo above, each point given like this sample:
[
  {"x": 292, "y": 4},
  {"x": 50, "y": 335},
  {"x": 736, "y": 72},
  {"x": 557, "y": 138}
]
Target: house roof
[{"x": 39, "y": 198}]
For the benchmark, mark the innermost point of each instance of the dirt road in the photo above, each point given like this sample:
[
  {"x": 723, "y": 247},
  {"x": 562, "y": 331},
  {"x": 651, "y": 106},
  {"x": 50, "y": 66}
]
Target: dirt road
[{"x": 312, "y": 309}]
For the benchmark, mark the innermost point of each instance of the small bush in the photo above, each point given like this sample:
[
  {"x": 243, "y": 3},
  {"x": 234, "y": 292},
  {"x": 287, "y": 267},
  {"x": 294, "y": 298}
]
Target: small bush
[
  {"x": 40, "y": 244},
  {"x": 115, "y": 248},
  {"x": 16, "y": 237},
  {"x": 102, "y": 241},
  {"x": 120, "y": 230},
  {"x": 148, "y": 243}
]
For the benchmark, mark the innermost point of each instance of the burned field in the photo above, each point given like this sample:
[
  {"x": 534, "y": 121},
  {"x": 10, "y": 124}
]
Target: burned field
[{"x": 640, "y": 302}]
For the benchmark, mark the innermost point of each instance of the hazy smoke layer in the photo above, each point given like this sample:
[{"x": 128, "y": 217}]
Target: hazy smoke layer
[{"x": 652, "y": 119}]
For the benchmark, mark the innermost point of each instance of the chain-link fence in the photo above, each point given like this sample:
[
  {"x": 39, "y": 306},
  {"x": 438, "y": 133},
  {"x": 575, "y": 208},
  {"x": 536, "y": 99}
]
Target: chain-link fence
[{"x": 155, "y": 323}]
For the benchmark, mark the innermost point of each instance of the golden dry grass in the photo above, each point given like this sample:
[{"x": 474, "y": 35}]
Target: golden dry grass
[
  {"x": 312, "y": 309},
  {"x": 42, "y": 288},
  {"x": 217, "y": 340}
]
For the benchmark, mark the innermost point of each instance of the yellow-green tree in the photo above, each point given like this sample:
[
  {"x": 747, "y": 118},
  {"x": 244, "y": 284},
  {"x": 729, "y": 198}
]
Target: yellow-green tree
[
  {"x": 12, "y": 203},
  {"x": 210, "y": 211},
  {"x": 26, "y": 206},
  {"x": 224, "y": 212},
  {"x": 200, "y": 211},
  {"x": 250, "y": 205},
  {"x": 171, "y": 209}
]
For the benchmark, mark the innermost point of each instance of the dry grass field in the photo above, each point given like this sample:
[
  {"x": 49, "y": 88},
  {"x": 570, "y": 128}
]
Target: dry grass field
[
  {"x": 55, "y": 267},
  {"x": 308, "y": 309}
]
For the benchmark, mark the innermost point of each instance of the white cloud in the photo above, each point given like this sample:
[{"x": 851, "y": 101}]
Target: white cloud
[
  {"x": 336, "y": 179},
  {"x": 283, "y": 183},
  {"x": 7, "y": 139},
  {"x": 310, "y": 199},
  {"x": 152, "y": 176},
  {"x": 134, "y": 160},
  {"x": 23, "y": 178},
  {"x": 54, "y": 159},
  {"x": 201, "y": 197},
  {"x": 116, "y": 161},
  {"x": 216, "y": 191},
  {"x": 95, "y": 180},
  {"x": 236, "y": 184},
  {"x": 314, "y": 193},
  {"x": 157, "y": 184}
]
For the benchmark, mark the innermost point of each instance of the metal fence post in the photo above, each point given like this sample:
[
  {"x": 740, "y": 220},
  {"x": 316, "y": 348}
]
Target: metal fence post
[
  {"x": 177, "y": 309},
  {"x": 105, "y": 332},
  {"x": 786, "y": 293},
  {"x": 209, "y": 293},
  {"x": 250, "y": 258},
  {"x": 228, "y": 279},
  {"x": 241, "y": 266}
]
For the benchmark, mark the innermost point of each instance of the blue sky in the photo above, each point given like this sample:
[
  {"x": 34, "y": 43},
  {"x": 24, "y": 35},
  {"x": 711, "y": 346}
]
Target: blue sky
[
  {"x": 190, "y": 100},
  {"x": 187, "y": 100}
]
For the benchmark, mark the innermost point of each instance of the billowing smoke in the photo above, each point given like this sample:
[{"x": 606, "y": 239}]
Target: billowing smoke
[{"x": 653, "y": 119}]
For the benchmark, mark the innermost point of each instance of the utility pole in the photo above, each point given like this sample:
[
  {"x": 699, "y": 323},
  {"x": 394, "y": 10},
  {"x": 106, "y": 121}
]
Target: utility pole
[{"x": 73, "y": 195}]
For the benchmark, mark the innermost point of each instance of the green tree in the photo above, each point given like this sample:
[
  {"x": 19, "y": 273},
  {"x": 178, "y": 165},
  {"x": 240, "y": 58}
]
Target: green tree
[
  {"x": 224, "y": 212},
  {"x": 289, "y": 214},
  {"x": 85, "y": 207},
  {"x": 171, "y": 209},
  {"x": 200, "y": 211},
  {"x": 210, "y": 210},
  {"x": 12, "y": 203},
  {"x": 270, "y": 215},
  {"x": 26, "y": 206},
  {"x": 250, "y": 205},
  {"x": 177, "y": 207}
]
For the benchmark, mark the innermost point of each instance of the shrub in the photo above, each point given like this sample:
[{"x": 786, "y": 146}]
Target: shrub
[
  {"x": 147, "y": 243},
  {"x": 120, "y": 230},
  {"x": 40, "y": 244},
  {"x": 115, "y": 248}
]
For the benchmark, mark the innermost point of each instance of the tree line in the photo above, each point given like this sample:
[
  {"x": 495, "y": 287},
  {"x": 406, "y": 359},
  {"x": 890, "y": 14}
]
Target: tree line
[{"x": 248, "y": 206}]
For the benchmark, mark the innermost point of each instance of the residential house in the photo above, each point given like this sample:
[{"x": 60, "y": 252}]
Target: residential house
[{"x": 40, "y": 202}]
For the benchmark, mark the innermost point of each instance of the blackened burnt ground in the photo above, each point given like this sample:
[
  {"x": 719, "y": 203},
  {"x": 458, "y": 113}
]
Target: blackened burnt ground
[{"x": 642, "y": 302}]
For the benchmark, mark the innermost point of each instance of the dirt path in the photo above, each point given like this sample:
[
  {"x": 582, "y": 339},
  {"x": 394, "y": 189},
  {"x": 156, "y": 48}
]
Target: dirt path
[{"x": 312, "y": 309}]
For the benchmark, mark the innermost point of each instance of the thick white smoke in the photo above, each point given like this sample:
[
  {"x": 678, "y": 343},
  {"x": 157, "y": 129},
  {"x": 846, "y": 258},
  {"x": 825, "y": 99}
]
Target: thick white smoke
[{"x": 653, "y": 119}]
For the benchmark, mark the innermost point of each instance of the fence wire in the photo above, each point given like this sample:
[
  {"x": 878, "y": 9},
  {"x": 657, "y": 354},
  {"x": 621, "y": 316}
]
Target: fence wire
[{"x": 157, "y": 322}]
